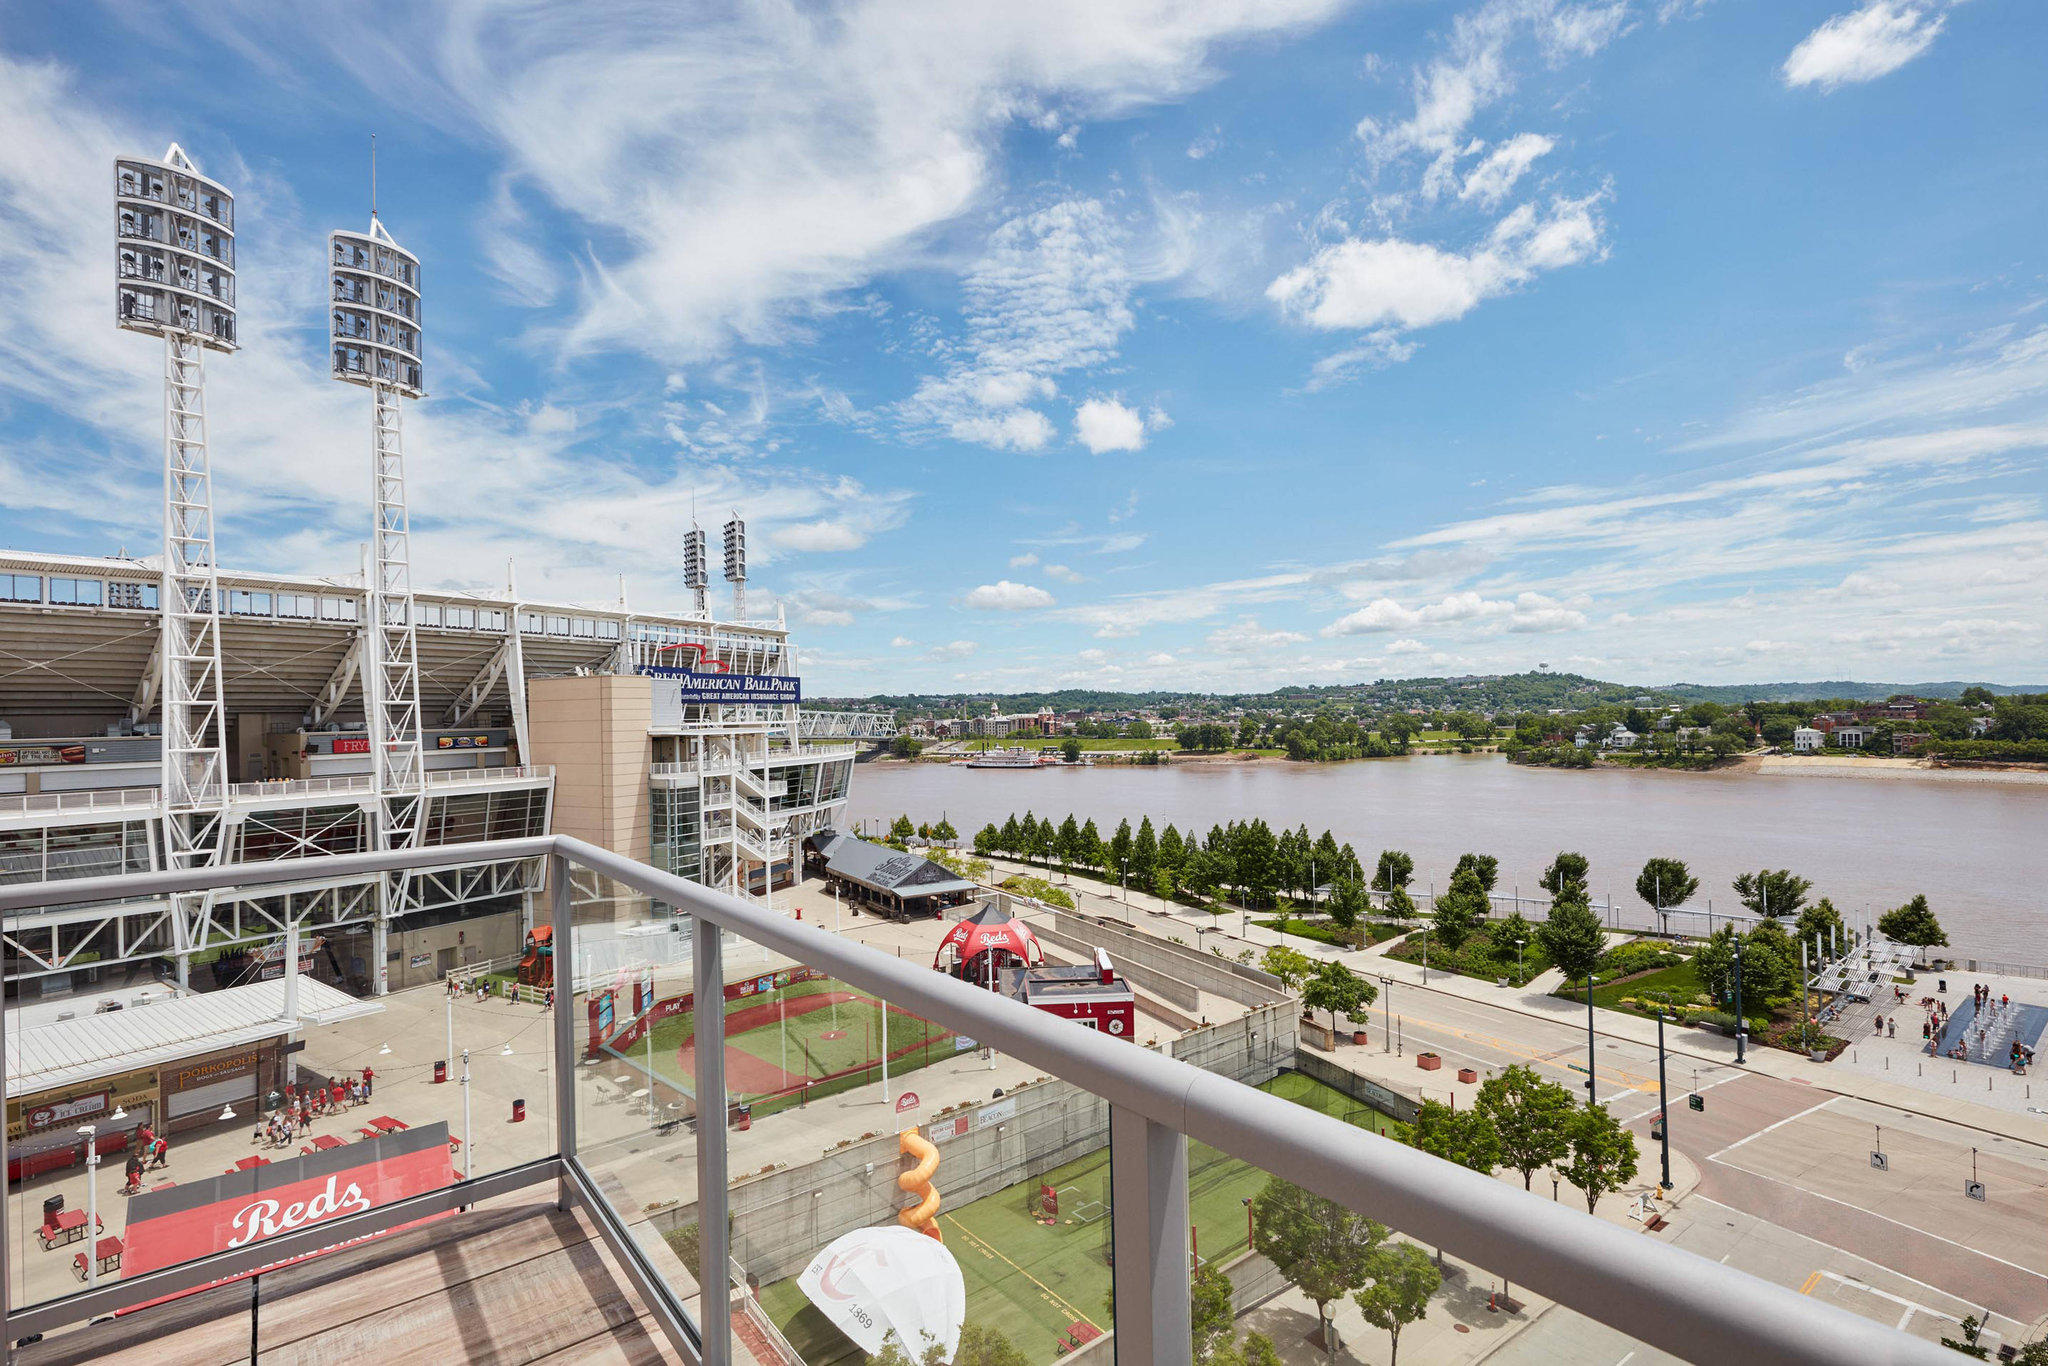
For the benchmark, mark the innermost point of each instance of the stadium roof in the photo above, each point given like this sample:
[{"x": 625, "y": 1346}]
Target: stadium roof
[{"x": 103, "y": 1045}]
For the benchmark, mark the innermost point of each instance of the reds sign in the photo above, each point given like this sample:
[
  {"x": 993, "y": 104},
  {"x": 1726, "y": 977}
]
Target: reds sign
[{"x": 196, "y": 1218}]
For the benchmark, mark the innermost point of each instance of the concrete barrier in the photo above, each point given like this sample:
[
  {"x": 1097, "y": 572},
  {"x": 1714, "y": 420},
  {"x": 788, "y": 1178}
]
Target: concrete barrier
[
  {"x": 1142, "y": 975},
  {"x": 1206, "y": 971}
]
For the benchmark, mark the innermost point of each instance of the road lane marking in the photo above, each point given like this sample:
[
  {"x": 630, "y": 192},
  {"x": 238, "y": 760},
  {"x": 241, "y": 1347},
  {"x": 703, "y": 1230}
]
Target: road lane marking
[
  {"x": 1633, "y": 1081},
  {"x": 1896, "y": 1223},
  {"x": 1811, "y": 1282},
  {"x": 1716, "y": 1156},
  {"x": 1719, "y": 1081}
]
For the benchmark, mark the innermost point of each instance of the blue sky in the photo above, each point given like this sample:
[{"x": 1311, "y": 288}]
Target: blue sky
[{"x": 1113, "y": 345}]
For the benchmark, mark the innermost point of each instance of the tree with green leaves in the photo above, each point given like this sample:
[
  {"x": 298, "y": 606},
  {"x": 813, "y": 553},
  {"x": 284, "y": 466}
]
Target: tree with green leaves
[
  {"x": 1144, "y": 853},
  {"x": 1172, "y": 851},
  {"x": 1485, "y": 866},
  {"x": 1531, "y": 1119},
  {"x": 1913, "y": 923},
  {"x": 1566, "y": 873},
  {"x": 1460, "y": 911},
  {"x": 1070, "y": 750},
  {"x": 1091, "y": 844},
  {"x": 1120, "y": 847},
  {"x": 1011, "y": 840},
  {"x": 1347, "y": 904},
  {"x": 1291, "y": 966},
  {"x": 1603, "y": 1155},
  {"x": 988, "y": 840},
  {"x": 1400, "y": 905},
  {"x": 1467, "y": 1137},
  {"x": 1339, "y": 990},
  {"x": 1400, "y": 1283},
  {"x": 980, "y": 1345},
  {"x": 1572, "y": 937},
  {"x": 1774, "y": 892},
  {"x": 1820, "y": 926},
  {"x": 902, "y": 829},
  {"x": 1508, "y": 937},
  {"x": 944, "y": 831},
  {"x": 1395, "y": 870},
  {"x": 1318, "y": 1245},
  {"x": 1666, "y": 883}
]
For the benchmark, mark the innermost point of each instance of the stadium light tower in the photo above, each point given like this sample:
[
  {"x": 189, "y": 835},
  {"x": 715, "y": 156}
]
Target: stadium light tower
[
  {"x": 375, "y": 317},
  {"x": 736, "y": 564},
  {"x": 175, "y": 278},
  {"x": 697, "y": 566}
]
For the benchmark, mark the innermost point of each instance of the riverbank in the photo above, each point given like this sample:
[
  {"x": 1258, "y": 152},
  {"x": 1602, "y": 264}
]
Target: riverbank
[{"x": 1818, "y": 766}]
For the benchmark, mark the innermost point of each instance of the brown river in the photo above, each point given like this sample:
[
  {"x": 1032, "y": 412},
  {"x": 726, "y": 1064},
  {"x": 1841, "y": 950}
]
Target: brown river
[{"x": 1979, "y": 850}]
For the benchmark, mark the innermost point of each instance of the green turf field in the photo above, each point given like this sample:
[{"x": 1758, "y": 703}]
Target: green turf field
[
  {"x": 1032, "y": 1281},
  {"x": 796, "y": 1043}
]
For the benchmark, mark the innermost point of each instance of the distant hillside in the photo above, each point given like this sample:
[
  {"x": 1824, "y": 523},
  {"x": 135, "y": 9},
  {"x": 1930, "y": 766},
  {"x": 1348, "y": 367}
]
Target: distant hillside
[
  {"x": 1735, "y": 694},
  {"x": 1533, "y": 691}
]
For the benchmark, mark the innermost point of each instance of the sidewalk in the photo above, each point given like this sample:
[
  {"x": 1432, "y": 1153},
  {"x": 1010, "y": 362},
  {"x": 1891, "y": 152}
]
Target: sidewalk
[{"x": 1233, "y": 932}]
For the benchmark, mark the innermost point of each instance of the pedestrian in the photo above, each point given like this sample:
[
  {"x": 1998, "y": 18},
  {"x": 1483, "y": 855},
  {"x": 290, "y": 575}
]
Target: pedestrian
[
  {"x": 1891, "y": 1029},
  {"x": 369, "y": 1081},
  {"x": 336, "y": 1094},
  {"x": 2004, "y": 1001},
  {"x": 160, "y": 1153}
]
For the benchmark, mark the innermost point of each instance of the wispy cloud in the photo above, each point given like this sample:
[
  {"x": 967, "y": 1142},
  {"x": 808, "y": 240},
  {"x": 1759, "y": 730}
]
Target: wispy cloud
[{"x": 1864, "y": 44}]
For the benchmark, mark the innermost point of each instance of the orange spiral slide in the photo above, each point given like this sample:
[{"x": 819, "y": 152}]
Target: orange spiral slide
[{"x": 922, "y": 1216}]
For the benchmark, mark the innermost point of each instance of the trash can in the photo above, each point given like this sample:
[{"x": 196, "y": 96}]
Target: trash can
[
  {"x": 52, "y": 1207},
  {"x": 518, "y": 1111},
  {"x": 441, "y": 1070},
  {"x": 1942, "y": 987}
]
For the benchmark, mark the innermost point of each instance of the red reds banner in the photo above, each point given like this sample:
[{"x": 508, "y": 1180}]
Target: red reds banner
[{"x": 198, "y": 1218}]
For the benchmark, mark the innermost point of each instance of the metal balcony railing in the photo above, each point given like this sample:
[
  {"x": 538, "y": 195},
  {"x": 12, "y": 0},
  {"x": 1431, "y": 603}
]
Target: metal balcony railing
[{"x": 1661, "y": 1295}]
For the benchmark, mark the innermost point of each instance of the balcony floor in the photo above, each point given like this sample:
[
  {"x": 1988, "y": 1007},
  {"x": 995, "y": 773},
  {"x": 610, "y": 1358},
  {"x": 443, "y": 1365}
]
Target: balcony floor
[{"x": 521, "y": 1282}]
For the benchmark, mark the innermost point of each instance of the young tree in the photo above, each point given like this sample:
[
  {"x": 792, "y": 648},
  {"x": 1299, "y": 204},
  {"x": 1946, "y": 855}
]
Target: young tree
[
  {"x": 1070, "y": 750},
  {"x": 1012, "y": 838},
  {"x": 1566, "y": 873},
  {"x": 1460, "y": 910},
  {"x": 1347, "y": 904},
  {"x": 1509, "y": 937},
  {"x": 1777, "y": 893},
  {"x": 1819, "y": 926},
  {"x": 1394, "y": 871},
  {"x": 1530, "y": 1117},
  {"x": 1289, "y": 965},
  {"x": 1466, "y": 1137},
  {"x": 1572, "y": 937},
  {"x": 1091, "y": 844},
  {"x": 1144, "y": 853},
  {"x": 1402, "y": 1281},
  {"x": 1318, "y": 1245},
  {"x": 1339, "y": 990},
  {"x": 902, "y": 829},
  {"x": 1665, "y": 883},
  {"x": 1485, "y": 866},
  {"x": 1172, "y": 852},
  {"x": 1603, "y": 1154},
  {"x": 987, "y": 840},
  {"x": 1215, "y": 1322},
  {"x": 1912, "y": 923}
]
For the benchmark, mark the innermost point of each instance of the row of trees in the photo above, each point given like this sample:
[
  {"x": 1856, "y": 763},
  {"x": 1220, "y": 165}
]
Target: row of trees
[{"x": 1327, "y": 1252}]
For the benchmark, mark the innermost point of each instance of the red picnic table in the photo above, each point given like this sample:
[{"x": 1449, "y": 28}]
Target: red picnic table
[
  {"x": 385, "y": 1124},
  {"x": 324, "y": 1143},
  {"x": 67, "y": 1226},
  {"x": 248, "y": 1164},
  {"x": 108, "y": 1250}
]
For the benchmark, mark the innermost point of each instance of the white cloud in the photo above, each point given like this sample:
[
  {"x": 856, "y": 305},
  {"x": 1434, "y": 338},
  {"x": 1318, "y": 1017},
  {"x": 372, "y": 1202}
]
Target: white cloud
[
  {"x": 1064, "y": 574},
  {"x": 952, "y": 649},
  {"x": 1160, "y": 659},
  {"x": 821, "y": 536},
  {"x": 1493, "y": 178},
  {"x": 1391, "y": 283},
  {"x": 1020, "y": 429},
  {"x": 902, "y": 643},
  {"x": 1863, "y": 44},
  {"x": 1248, "y": 637},
  {"x": 1104, "y": 424},
  {"x": 1407, "y": 646},
  {"x": 1525, "y": 612},
  {"x": 1005, "y": 596},
  {"x": 1024, "y": 561}
]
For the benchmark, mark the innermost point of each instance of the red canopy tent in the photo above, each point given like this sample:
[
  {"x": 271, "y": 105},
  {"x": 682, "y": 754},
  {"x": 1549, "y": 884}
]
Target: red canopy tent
[{"x": 1005, "y": 940}]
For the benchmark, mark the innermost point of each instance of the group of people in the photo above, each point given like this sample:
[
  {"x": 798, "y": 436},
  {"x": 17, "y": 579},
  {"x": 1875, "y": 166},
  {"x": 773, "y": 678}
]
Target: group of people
[
  {"x": 305, "y": 1103},
  {"x": 147, "y": 1151},
  {"x": 515, "y": 992}
]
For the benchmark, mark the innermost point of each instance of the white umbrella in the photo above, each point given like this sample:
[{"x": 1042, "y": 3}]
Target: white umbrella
[{"x": 878, "y": 1283}]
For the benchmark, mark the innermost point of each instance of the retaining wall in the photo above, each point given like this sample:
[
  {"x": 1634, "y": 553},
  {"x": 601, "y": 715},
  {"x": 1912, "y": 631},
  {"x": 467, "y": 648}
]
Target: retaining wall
[{"x": 1209, "y": 972}]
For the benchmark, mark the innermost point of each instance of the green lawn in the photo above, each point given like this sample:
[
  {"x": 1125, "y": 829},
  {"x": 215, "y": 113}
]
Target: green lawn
[
  {"x": 1682, "y": 983},
  {"x": 1323, "y": 932},
  {"x": 1475, "y": 958},
  {"x": 1032, "y": 1281}
]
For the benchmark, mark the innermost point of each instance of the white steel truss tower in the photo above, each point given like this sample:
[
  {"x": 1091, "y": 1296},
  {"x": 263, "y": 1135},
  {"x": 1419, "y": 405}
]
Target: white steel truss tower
[
  {"x": 375, "y": 303},
  {"x": 175, "y": 278}
]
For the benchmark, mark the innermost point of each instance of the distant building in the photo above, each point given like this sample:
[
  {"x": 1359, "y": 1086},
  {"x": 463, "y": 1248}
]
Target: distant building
[
  {"x": 1621, "y": 737},
  {"x": 1851, "y": 736},
  {"x": 1807, "y": 739},
  {"x": 1979, "y": 726}
]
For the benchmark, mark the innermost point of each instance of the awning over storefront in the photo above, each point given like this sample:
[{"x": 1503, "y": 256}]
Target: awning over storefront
[{"x": 93, "y": 1046}]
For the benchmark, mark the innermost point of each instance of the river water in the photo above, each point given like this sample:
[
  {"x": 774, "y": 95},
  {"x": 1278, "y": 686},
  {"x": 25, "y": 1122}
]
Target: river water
[{"x": 1977, "y": 849}]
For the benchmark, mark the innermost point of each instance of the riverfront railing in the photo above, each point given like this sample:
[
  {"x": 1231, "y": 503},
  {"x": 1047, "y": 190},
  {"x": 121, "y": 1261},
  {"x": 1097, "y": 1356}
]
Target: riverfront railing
[{"x": 646, "y": 1130}]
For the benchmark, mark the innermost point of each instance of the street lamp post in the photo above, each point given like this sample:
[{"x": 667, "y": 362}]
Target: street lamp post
[
  {"x": 1521, "y": 969},
  {"x": 468, "y": 1142},
  {"x": 92, "y": 1203},
  {"x": 1663, "y": 1110},
  {"x": 1741, "y": 1024},
  {"x": 1590, "y": 1059},
  {"x": 1387, "y": 1025}
]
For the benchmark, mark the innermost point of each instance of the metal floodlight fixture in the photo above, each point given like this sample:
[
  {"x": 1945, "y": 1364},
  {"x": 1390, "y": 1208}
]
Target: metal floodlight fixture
[
  {"x": 227, "y": 1112},
  {"x": 696, "y": 559},
  {"x": 174, "y": 251},
  {"x": 120, "y": 1113},
  {"x": 736, "y": 549},
  {"x": 374, "y": 310},
  {"x": 88, "y": 1129}
]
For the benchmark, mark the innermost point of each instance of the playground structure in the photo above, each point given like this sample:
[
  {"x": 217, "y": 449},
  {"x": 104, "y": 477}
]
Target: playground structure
[
  {"x": 537, "y": 968},
  {"x": 922, "y": 1216},
  {"x": 980, "y": 947}
]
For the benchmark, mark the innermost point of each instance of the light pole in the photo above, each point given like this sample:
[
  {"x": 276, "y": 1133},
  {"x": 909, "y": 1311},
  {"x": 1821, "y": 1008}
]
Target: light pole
[
  {"x": 1663, "y": 1110},
  {"x": 1387, "y": 1028},
  {"x": 1521, "y": 969},
  {"x": 1741, "y": 1024},
  {"x": 468, "y": 1140},
  {"x": 92, "y": 1203},
  {"x": 1590, "y": 1059}
]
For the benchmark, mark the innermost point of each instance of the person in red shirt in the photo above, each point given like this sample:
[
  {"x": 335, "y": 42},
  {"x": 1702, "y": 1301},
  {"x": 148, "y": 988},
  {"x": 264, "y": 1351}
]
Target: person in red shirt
[
  {"x": 369, "y": 1079},
  {"x": 335, "y": 1094}
]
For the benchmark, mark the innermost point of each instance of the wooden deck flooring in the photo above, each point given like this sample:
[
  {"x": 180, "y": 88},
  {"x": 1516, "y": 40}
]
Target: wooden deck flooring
[{"x": 511, "y": 1284}]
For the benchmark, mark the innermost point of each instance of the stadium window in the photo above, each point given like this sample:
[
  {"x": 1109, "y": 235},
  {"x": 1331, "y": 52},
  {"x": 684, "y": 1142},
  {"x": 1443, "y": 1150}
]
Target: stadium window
[
  {"x": 430, "y": 614},
  {"x": 77, "y": 592},
  {"x": 136, "y": 596},
  {"x": 21, "y": 588},
  {"x": 337, "y": 609},
  {"x": 491, "y": 619},
  {"x": 608, "y": 630},
  {"x": 303, "y": 605},
  {"x": 558, "y": 626},
  {"x": 582, "y": 626},
  {"x": 243, "y": 603},
  {"x": 463, "y": 618},
  {"x": 529, "y": 622}
]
